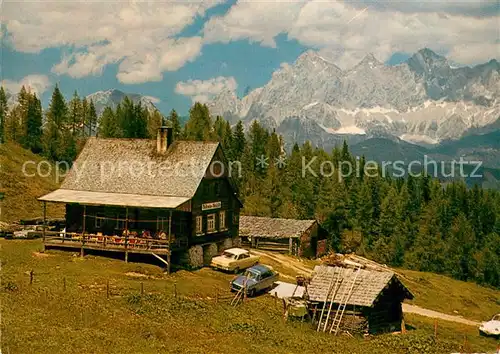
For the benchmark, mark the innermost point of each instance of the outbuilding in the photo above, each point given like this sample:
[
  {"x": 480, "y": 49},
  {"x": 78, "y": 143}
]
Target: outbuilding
[
  {"x": 305, "y": 238},
  {"x": 356, "y": 300}
]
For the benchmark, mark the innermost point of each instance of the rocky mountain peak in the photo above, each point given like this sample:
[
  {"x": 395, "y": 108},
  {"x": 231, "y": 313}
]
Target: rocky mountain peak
[
  {"x": 425, "y": 61},
  {"x": 313, "y": 59},
  {"x": 369, "y": 61},
  {"x": 421, "y": 100}
]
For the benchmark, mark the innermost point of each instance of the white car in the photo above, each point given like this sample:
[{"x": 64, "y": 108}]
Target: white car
[
  {"x": 491, "y": 328},
  {"x": 234, "y": 260}
]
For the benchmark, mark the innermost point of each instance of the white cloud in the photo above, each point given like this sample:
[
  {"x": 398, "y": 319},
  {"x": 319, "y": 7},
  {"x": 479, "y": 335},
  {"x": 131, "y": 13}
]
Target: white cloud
[
  {"x": 141, "y": 36},
  {"x": 204, "y": 90},
  {"x": 351, "y": 30},
  {"x": 35, "y": 83}
]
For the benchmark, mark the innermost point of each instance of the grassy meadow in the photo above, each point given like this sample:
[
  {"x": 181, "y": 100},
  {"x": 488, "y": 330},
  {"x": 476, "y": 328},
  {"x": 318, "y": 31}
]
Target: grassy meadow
[
  {"x": 67, "y": 310},
  {"x": 23, "y": 188}
]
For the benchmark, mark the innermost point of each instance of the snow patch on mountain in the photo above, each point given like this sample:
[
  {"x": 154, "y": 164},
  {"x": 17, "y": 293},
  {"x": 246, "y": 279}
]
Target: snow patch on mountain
[
  {"x": 349, "y": 130},
  {"x": 111, "y": 98}
]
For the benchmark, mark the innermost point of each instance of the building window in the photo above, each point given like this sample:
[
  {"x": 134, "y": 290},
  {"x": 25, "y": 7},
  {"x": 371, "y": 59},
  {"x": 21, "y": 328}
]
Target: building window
[
  {"x": 120, "y": 223},
  {"x": 210, "y": 222},
  {"x": 99, "y": 220},
  {"x": 162, "y": 224},
  {"x": 199, "y": 224},
  {"x": 222, "y": 219}
]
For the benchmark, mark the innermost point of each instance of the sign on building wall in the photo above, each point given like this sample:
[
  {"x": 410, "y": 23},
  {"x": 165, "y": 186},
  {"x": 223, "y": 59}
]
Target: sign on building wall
[{"x": 210, "y": 206}]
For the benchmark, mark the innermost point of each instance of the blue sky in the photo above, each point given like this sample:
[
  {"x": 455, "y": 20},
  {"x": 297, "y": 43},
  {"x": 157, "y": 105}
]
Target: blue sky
[{"x": 178, "y": 52}]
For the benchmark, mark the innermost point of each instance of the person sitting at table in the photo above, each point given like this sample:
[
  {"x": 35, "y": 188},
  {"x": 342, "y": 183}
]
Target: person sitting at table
[{"x": 146, "y": 234}]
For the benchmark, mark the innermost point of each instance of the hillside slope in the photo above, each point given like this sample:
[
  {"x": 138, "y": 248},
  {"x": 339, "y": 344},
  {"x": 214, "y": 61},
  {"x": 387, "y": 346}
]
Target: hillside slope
[
  {"x": 157, "y": 320},
  {"x": 22, "y": 187}
]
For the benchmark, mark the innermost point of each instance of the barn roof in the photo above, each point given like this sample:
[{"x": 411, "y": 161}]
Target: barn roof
[
  {"x": 368, "y": 286},
  {"x": 257, "y": 226},
  {"x": 133, "y": 167}
]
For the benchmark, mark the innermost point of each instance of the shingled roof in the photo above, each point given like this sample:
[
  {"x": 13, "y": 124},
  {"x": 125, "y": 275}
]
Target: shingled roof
[
  {"x": 257, "y": 226},
  {"x": 368, "y": 286},
  {"x": 134, "y": 167}
]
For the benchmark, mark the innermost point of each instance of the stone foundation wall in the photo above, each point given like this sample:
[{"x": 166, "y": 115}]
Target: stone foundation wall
[{"x": 209, "y": 251}]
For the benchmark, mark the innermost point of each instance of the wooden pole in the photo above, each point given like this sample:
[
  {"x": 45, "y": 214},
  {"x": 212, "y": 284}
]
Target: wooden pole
[
  {"x": 175, "y": 289},
  {"x": 126, "y": 235},
  {"x": 83, "y": 229},
  {"x": 44, "y": 222},
  {"x": 142, "y": 288},
  {"x": 31, "y": 276},
  {"x": 64, "y": 284},
  {"x": 107, "y": 289},
  {"x": 290, "y": 246},
  {"x": 216, "y": 295},
  {"x": 435, "y": 329},
  {"x": 169, "y": 258}
]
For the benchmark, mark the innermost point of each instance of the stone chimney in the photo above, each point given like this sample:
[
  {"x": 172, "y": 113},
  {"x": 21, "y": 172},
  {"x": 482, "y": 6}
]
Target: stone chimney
[{"x": 164, "y": 139}]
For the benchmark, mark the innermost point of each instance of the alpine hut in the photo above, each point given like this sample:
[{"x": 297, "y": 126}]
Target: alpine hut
[{"x": 163, "y": 197}]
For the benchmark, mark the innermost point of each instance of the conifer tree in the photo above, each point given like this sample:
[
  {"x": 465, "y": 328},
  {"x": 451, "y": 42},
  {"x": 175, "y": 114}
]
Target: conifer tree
[
  {"x": 140, "y": 122},
  {"x": 174, "y": 120},
  {"x": 75, "y": 114},
  {"x": 57, "y": 117},
  {"x": 155, "y": 120},
  {"x": 91, "y": 121},
  {"x": 84, "y": 113},
  {"x": 199, "y": 126},
  {"x": 33, "y": 136},
  {"x": 238, "y": 145},
  {"x": 227, "y": 141},
  {"x": 3, "y": 114},
  {"x": 108, "y": 128}
]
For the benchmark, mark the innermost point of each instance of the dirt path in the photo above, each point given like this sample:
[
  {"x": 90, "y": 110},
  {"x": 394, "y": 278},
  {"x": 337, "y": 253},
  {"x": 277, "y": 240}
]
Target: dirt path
[
  {"x": 297, "y": 266},
  {"x": 407, "y": 308}
]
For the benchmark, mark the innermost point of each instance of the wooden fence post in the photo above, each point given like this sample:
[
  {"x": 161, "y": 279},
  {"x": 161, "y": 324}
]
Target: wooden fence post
[
  {"x": 435, "y": 329},
  {"x": 107, "y": 289},
  {"x": 216, "y": 295},
  {"x": 142, "y": 288},
  {"x": 64, "y": 284},
  {"x": 175, "y": 289},
  {"x": 31, "y": 276}
]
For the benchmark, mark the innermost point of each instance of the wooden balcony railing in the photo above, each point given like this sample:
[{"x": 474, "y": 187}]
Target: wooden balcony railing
[{"x": 112, "y": 242}]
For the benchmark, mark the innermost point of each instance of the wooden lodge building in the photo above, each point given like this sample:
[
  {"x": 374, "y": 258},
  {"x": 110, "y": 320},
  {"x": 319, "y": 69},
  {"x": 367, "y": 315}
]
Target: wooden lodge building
[
  {"x": 356, "y": 300},
  {"x": 163, "y": 197},
  {"x": 304, "y": 238}
]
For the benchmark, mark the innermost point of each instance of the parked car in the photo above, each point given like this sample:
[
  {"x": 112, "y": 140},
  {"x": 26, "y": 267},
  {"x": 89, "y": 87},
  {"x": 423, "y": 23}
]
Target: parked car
[
  {"x": 257, "y": 278},
  {"x": 234, "y": 260},
  {"x": 491, "y": 328},
  {"x": 29, "y": 232}
]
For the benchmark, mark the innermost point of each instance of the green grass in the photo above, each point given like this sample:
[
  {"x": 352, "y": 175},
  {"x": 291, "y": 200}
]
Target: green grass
[
  {"x": 21, "y": 190},
  {"x": 50, "y": 317},
  {"x": 447, "y": 295}
]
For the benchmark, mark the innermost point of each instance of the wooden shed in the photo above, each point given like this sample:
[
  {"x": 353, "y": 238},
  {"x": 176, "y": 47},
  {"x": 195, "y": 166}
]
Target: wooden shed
[
  {"x": 368, "y": 301},
  {"x": 298, "y": 237}
]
